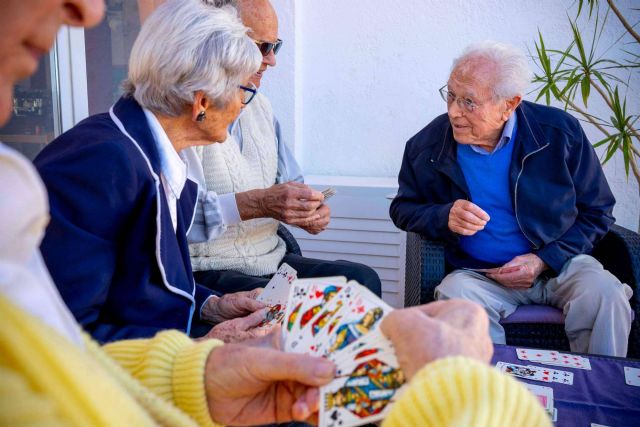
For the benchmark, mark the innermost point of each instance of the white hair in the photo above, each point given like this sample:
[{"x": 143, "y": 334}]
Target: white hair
[
  {"x": 511, "y": 74},
  {"x": 187, "y": 46}
]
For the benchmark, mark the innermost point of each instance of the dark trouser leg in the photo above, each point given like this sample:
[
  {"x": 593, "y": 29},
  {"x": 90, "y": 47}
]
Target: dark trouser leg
[
  {"x": 309, "y": 267},
  {"x": 229, "y": 281}
]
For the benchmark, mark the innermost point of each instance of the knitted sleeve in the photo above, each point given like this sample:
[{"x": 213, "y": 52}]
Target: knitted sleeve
[
  {"x": 458, "y": 391},
  {"x": 172, "y": 366}
]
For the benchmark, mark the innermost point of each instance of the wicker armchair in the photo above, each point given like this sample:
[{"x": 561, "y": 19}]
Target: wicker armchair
[
  {"x": 618, "y": 251},
  {"x": 289, "y": 240}
]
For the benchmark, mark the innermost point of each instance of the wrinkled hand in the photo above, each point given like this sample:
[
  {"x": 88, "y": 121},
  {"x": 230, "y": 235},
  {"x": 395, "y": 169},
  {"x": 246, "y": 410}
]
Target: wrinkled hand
[
  {"x": 292, "y": 203},
  {"x": 444, "y": 328},
  {"x": 320, "y": 224},
  {"x": 251, "y": 385},
  {"x": 466, "y": 218},
  {"x": 230, "y": 306},
  {"x": 519, "y": 273},
  {"x": 240, "y": 329}
]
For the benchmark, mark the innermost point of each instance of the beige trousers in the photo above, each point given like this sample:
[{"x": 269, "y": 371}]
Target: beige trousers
[{"x": 595, "y": 303}]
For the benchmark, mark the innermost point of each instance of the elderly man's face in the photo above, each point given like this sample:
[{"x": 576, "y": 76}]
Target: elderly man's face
[
  {"x": 28, "y": 29},
  {"x": 484, "y": 125},
  {"x": 261, "y": 18}
]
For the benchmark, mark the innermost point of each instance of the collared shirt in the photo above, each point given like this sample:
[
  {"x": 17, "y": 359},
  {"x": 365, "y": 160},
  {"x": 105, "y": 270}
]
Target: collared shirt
[
  {"x": 221, "y": 211},
  {"x": 173, "y": 169},
  {"x": 507, "y": 135}
]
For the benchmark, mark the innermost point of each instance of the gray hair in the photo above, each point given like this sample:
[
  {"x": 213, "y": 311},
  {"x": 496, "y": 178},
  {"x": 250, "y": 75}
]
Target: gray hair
[
  {"x": 187, "y": 46},
  {"x": 512, "y": 74}
]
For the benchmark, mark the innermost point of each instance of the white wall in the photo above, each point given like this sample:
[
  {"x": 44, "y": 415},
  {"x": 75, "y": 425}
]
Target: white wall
[{"x": 357, "y": 78}]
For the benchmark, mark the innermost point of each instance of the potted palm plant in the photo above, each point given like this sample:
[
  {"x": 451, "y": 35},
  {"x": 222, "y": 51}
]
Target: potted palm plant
[{"x": 585, "y": 68}]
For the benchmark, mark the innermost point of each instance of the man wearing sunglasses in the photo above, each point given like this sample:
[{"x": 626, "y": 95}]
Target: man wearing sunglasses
[{"x": 255, "y": 184}]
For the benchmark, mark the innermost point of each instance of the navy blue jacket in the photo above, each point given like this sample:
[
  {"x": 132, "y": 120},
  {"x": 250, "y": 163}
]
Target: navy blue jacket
[
  {"x": 110, "y": 247},
  {"x": 559, "y": 193}
]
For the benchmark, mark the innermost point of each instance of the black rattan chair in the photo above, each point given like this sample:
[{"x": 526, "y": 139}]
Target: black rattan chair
[
  {"x": 618, "y": 251},
  {"x": 289, "y": 240}
]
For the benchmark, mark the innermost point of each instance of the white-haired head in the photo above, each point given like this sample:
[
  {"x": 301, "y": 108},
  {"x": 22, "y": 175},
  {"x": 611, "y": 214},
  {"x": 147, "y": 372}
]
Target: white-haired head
[
  {"x": 503, "y": 66},
  {"x": 187, "y": 46}
]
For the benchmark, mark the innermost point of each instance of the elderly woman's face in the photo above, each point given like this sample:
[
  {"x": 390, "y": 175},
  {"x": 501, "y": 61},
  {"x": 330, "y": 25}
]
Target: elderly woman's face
[
  {"x": 221, "y": 118},
  {"x": 483, "y": 126},
  {"x": 28, "y": 29}
]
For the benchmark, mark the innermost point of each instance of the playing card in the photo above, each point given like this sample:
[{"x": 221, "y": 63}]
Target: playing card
[
  {"x": 372, "y": 343},
  {"x": 544, "y": 396},
  {"x": 632, "y": 376},
  {"x": 328, "y": 193},
  {"x": 526, "y": 372},
  {"x": 562, "y": 377},
  {"x": 359, "y": 316},
  {"x": 550, "y": 357},
  {"x": 275, "y": 316},
  {"x": 362, "y": 392},
  {"x": 309, "y": 297},
  {"x": 310, "y": 337},
  {"x": 277, "y": 290},
  {"x": 537, "y": 355}
]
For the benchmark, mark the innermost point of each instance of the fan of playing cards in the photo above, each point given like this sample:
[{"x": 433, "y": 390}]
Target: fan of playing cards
[{"x": 339, "y": 320}]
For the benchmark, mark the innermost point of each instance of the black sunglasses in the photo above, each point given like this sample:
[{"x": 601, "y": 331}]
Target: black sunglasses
[{"x": 267, "y": 47}]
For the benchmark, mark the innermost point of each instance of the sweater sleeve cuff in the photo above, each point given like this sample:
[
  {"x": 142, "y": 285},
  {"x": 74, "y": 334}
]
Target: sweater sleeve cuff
[
  {"x": 189, "y": 380},
  {"x": 172, "y": 366},
  {"x": 460, "y": 391},
  {"x": 229, "y": 209}
]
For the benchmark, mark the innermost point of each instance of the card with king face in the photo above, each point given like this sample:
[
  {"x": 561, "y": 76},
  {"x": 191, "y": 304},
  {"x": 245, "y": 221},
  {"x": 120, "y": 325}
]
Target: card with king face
[{"x": 362, "y": 392}]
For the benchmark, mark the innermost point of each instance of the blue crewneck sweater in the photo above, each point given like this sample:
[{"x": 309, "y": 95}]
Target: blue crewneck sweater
[{"x": 487, "y": 177}]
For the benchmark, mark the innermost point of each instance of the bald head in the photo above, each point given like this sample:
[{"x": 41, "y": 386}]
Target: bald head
[{"x": 262, "y": 20}]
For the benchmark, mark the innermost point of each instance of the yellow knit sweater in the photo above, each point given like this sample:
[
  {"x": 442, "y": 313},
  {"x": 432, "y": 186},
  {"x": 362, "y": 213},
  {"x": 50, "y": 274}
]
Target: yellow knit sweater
[{"x": 44, "y": 380}]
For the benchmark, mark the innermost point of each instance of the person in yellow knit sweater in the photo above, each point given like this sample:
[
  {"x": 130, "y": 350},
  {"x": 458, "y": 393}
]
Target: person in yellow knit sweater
[{"x": 51, "y": 373}]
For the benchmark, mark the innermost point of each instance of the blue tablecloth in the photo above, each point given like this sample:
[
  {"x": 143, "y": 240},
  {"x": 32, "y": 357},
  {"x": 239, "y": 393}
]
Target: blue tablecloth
[{"x": 599, "y": 395}]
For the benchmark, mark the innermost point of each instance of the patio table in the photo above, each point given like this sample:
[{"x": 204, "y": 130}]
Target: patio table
[{"x": 598, "y": 396}]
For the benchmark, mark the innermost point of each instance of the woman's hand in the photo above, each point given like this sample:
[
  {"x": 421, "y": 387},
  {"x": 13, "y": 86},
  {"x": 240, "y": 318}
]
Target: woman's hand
[
  {"x": 231, "y": 306},
  {"x": 240, "y": 329}
]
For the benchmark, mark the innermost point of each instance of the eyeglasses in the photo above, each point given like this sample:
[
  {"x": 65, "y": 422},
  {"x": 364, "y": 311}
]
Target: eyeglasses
[
  {"x": 248, "y": 93},
  {"x": 267, "y": 47},
  {"x": 466, "y": 103}
]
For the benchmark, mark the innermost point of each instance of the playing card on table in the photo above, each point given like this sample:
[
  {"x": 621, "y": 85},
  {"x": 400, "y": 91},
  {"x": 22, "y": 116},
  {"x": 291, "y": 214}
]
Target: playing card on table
[
  {"x": 549, "y": 357},
  {"x": 534, "y": 355},
  {"x": 363, "y": 391},
  {"x": 544, "y": 396},
  {"x": 632, "y": 376},
  {"x": 527, "y": 372}
]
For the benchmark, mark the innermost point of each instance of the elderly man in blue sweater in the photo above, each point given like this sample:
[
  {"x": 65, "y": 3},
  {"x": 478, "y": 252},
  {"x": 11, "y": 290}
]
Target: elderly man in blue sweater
[{"x": 516, "y": 191}]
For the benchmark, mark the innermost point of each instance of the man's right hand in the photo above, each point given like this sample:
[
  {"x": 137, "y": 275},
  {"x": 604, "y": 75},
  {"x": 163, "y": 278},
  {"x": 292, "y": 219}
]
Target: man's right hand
[
  {"x": 466, "y": 218},
  {"x": 292, "y": 203},
  {"x": 440, "y": 329}
]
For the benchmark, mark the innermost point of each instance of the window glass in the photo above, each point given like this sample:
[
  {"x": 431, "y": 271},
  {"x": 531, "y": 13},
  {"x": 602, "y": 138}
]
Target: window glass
[
  {"x": 107, "y": 49},
  {"x": 36, "y": 114}
]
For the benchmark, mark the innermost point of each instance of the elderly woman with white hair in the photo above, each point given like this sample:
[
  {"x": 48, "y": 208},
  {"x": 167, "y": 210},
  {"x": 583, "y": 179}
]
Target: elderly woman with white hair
[
  {"x": 516, "y": 191},
  {"x": 122, "y": 196}
]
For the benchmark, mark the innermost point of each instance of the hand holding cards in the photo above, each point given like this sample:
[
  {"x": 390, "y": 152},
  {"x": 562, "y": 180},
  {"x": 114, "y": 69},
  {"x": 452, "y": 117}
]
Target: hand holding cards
[{"x": 340, "y": 320}]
